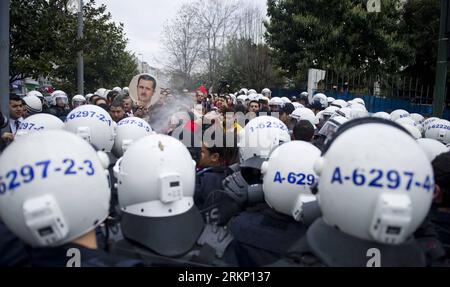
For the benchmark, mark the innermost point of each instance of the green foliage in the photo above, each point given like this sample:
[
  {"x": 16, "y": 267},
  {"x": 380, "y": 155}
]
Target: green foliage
[
  {"x": 337, "y": 35},
  {"x": 420, "y": 26},
  {"x": 44, "y": 42},
  {"x": 247, "y": 64}
]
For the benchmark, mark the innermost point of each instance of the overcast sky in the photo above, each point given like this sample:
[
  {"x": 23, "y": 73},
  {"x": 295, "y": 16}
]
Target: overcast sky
[{"x": 143, "y": 23}]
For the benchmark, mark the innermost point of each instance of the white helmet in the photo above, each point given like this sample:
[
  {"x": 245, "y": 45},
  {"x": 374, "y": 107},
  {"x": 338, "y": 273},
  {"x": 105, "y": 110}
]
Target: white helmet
[
  {"x": 344, "y": 112},
  {"x": 125, "y": 90},
  {"x": 33, "y": 104},
  {"x": 358, "y": 111},
  {"x": 242, "y": 98},
  {"x": 88, "y": 97},
  {"x": 305, "y": 114},
  {"x": 331, "y": 126},
  {"x": 382, "y": 115},
  {"x": 297, "y": 105},
  {"x": 427, "y": 122},
  {"x": 276, "y": 101},
  {"x": 128, "y": 131},
  {"x": 78, "y": 99},
  {"x": 418, "y": 118},
  {"x": 329, "y": 111},
  {"x": 101, "y": 93},
  {"x": 261, "y": 135},
  {"x": 36, "y": 93},
  {"x": 54, "y": 195},
  {"x": 39, "y": 122},
  {"x": 321, "y": 99},
  {"x": 244, "y": 91},
  {"x": 397, "y": 114},
  {"x": 287, "y": 179},
  {"x": 406, "y": 121},
  {"x": 252, "y": 97},
  {"x": 251, "y": 91},
  {"x": 265, "y": 99},
  {"x": 285, "y": 100},
  {"x": 375, "y": 182},
  {"x": 58, "y": 94},
  {"x": 439, "y": 130},
  {"x": 266, "y": 92},
  {"x": 156, "y": 182},
  {"x": 320, "y": 116},
  {"x": 259, "y": 97},
  {"x": 93, "y": 124},
  {"x": 117, "y": 89},
  {"x": 432, "y": 148},
  {"x": 233, "y": 98},
  {"x": 359, "y": 101},
  {"x": 330, "y": 100},
  {"x": 339, "y": 103},
  {"x": 413, "y": 130}
]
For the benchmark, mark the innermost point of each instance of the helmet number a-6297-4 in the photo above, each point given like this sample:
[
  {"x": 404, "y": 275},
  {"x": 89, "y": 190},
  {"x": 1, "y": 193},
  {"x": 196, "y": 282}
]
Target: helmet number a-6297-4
[{"x": 379, "y": 178}]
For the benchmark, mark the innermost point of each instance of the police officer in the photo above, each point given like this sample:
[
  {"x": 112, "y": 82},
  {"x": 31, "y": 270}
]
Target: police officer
[
  {"x": 56, "y": 198},
  {"x": 14, "y": 252},
  {"x": 160, "y": 222},
  {"x": 374, "y": 192},
  {"x": 261, "y": 135},
  {"x": 262, "y": 234},
  {"x": 59, "y": 105},
  {"x": 95, "y": 125}
]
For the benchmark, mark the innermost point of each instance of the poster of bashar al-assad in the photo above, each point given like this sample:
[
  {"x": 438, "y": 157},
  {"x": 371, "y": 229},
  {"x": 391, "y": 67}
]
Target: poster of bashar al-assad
[{"x": 144, "y": 90}]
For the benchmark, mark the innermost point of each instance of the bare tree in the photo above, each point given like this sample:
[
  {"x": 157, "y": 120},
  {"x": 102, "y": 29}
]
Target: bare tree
[
  {"x": 181, "y": 37},
  {"x": 198, "y": 37},
  {"x": 250, "y": 23},
  {"x": 217, "y": 23}
]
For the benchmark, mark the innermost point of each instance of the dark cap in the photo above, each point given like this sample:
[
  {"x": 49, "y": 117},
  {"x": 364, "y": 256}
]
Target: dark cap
[
  {"x": 287, "y": 108},
  {"x": 441, "y": 169}
]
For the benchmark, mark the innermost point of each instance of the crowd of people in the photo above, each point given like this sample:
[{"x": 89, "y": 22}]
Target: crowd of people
[{"x": 201, "y": 179}]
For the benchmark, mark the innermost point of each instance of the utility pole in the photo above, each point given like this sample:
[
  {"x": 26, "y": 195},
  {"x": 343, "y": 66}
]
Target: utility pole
[
  {"x": 80, "y": 69},
  {"x": 142, "y": 62},
  {"x": 441, "y": 67},
  {"x": 4, "y": 57}
]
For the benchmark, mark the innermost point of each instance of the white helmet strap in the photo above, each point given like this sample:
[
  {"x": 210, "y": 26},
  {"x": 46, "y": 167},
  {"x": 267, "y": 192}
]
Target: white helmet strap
[
  {"x": 45, "y": 219},
  {"x": 392, "y": 216}
]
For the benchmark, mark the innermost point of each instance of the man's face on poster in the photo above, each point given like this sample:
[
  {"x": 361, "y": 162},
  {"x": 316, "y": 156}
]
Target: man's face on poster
[{"x": 145, "y": 90}]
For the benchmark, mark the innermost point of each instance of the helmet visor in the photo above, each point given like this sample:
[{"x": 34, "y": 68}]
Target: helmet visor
[{"x": 329, "y": 128}]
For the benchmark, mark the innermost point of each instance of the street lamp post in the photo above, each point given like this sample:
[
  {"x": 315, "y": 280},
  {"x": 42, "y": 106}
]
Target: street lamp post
[
  {"x": 442, "y": 63},
  {"x": 142, "y": 62},
  {"x": 80, "y": 70},
  {"x": 4, "y": 57},
  {"x": 76, "y": 6}
]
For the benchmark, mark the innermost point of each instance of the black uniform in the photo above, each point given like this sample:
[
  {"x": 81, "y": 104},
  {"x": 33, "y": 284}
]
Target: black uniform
[
  {"x": 59, "y": 112},
  {"x": 179, "y": 240},
  {"x": 208, "y": 180},
  {"x": 261, "y": 237},
  {"x": 324, "y": 245},
  {"x": 13, "y": 252}
]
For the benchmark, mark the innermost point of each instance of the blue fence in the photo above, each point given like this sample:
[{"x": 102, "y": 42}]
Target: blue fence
[{"x": 373, "y": 103}]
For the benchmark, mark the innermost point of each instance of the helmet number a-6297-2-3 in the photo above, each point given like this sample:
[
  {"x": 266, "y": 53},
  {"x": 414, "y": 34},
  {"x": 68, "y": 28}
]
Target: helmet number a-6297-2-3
[{"x": 44, "y": 169}]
